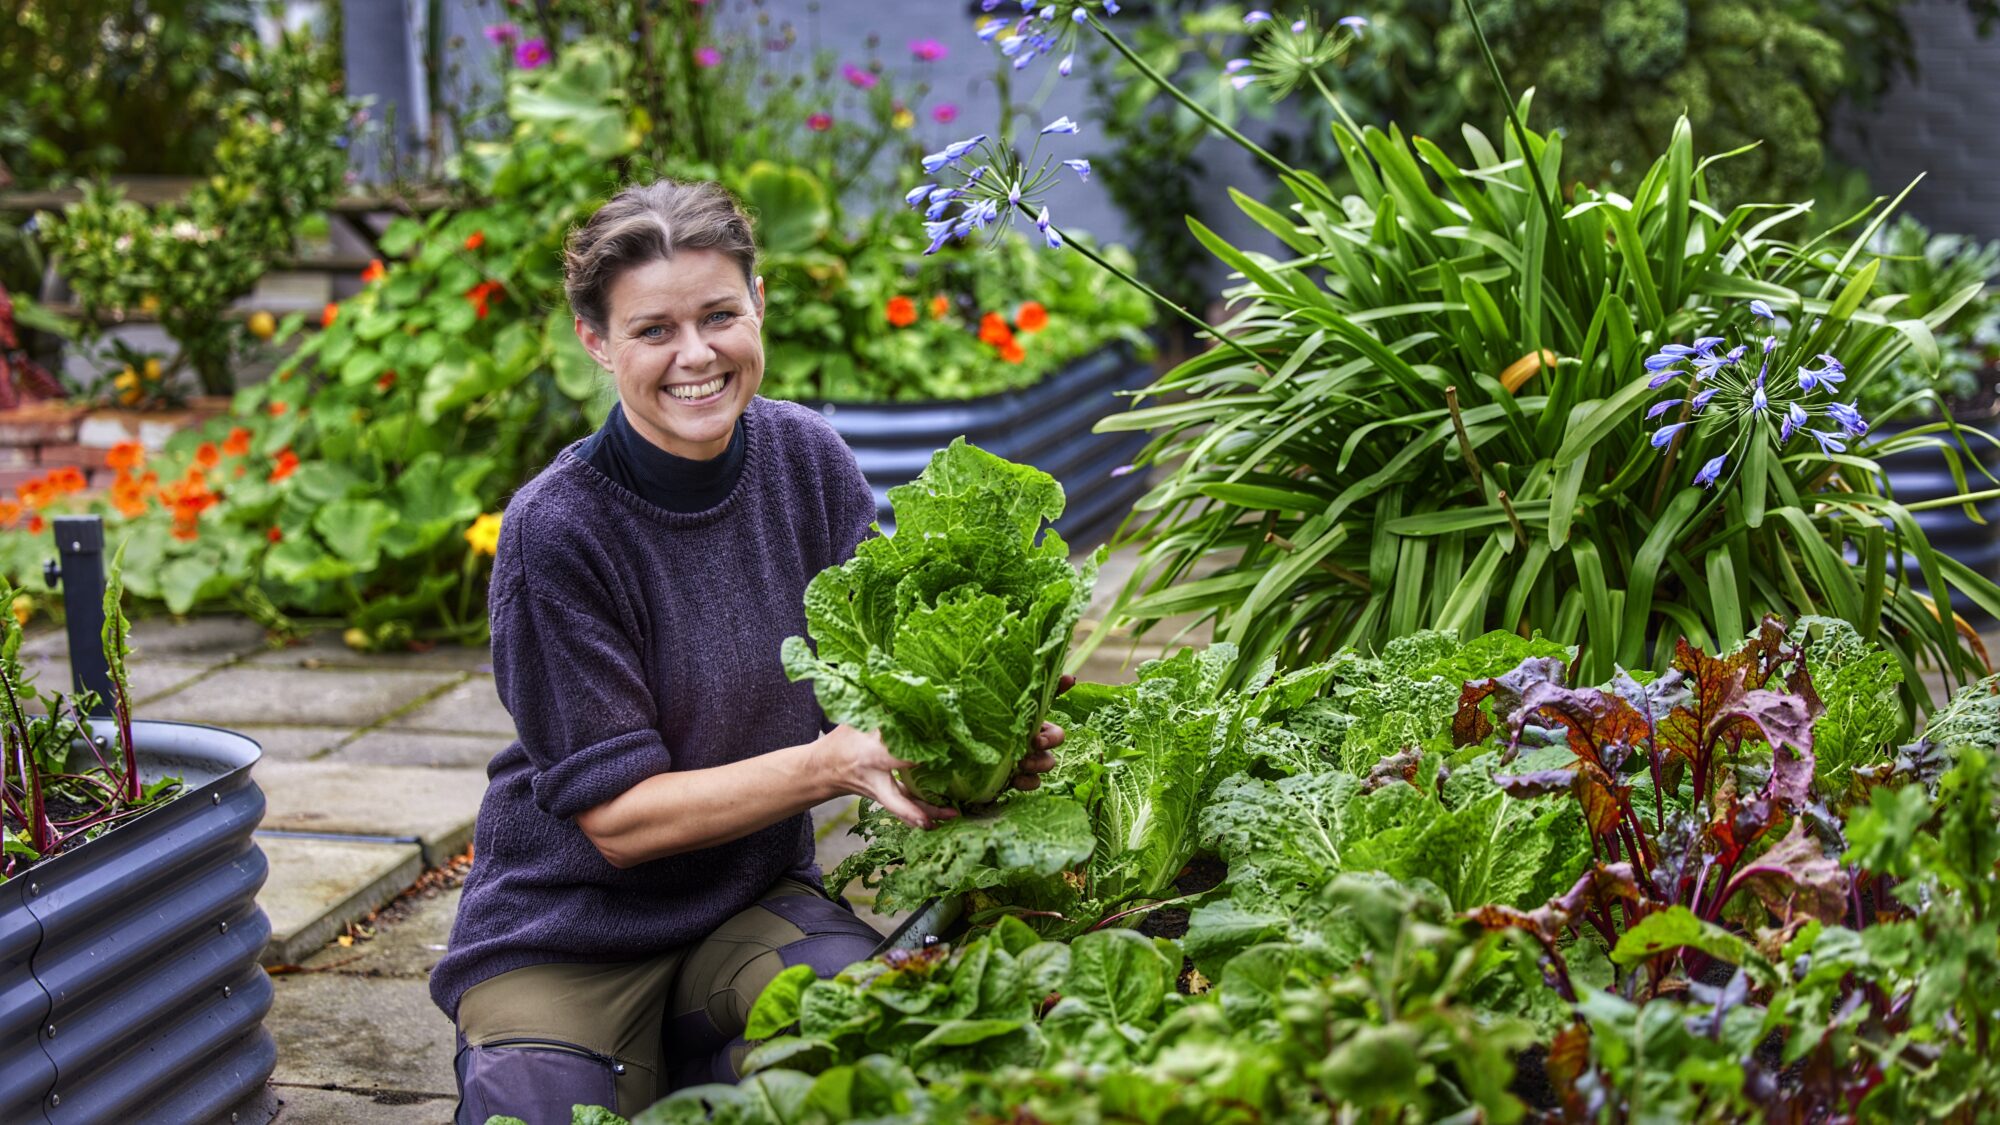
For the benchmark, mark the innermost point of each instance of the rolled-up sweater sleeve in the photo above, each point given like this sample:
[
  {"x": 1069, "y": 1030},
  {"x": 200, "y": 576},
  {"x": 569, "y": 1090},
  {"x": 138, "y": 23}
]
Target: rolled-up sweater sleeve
[{"x": 576, "y": 689}]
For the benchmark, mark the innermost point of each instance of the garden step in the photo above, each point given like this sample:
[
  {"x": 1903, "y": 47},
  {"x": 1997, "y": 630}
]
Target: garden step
[
  {"x": 430, "y": 807},
  {"x": 317, "y": 886}
]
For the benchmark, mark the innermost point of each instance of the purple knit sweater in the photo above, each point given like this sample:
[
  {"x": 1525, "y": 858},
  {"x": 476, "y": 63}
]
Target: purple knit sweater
[{"x": 629, "y": 641}]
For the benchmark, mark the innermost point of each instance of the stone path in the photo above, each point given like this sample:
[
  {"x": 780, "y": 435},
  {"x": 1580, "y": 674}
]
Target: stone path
[{"x": 373, "y": 768}]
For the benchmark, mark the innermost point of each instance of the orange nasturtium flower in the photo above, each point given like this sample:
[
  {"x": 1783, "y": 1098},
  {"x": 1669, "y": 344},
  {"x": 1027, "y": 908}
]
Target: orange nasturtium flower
[
  {"x": 207, "y": 456},
  {"x": 10, "y": 510},
  {"x": 902, "y": 311},
  {"x": 286, "y": 463},
  {"x": 993, "y": 329},
  {"x": 274, "y": 535},
  {"x": 481, "y": 293},
  {"x": 385, "y": 382},
  {"x": 278, "y": 408},
  {"x": 374, "y": 272},
  {"x": 939, "y": 307},
  {"x": 484, "y": 534},
  {"x": 237, "y": 443},
  {"x": 328, "y": 315},
  {"x": 1011, "y": 352},
  {"x": 67, "y": 479},
  {"x": 1032, "y": 317},
  {"x": 475, "y": 240},
  {"x": 36, "y": 524},
  {"x": 125, "y": 456}
]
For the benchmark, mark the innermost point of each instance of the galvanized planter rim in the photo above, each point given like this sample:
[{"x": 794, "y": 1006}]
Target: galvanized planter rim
[
  {"x": 55, "y": 864},
  {"x": 996, "y": 398}
]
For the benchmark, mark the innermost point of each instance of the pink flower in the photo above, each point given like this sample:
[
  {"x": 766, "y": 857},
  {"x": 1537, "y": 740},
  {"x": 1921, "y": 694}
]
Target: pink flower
[
  {"x": 857, "y": 77},
  {"x": 707, "y": 56},
  {"x": 945, "y": 113},
  {"x": 503, "y": 34},
  {"x": 819, "y": 122},
  {"x": 531, "y": 53},
  {"x": 927, "y": 50}
]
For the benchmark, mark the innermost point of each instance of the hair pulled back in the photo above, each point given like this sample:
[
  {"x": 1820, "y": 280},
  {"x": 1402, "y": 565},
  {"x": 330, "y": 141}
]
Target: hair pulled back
[{"x": 648, "y": 223}]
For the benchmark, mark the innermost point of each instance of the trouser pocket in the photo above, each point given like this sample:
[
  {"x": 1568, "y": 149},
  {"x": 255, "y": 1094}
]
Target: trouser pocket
[{"x": 536, "y": 1080}]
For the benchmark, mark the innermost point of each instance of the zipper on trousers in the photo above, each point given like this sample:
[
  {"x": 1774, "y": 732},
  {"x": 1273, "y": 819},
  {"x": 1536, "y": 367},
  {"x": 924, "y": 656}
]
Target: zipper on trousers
[{"x": 566, "y": 1048}]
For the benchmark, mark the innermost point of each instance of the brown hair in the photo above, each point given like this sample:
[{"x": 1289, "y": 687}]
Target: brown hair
[{"x": 649, "y": 223}]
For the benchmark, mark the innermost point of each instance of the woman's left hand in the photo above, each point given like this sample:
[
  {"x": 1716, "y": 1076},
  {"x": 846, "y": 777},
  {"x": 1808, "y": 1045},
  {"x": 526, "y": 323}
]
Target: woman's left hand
[{"x": 1042, "y": 760}]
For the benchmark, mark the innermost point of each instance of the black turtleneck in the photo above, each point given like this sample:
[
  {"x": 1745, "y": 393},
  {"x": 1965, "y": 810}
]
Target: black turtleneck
[{"x": 658, "y": 477}]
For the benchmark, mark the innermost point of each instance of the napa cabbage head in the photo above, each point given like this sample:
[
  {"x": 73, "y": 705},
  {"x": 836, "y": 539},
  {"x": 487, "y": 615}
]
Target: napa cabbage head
[{"x": 948, "y": 636}]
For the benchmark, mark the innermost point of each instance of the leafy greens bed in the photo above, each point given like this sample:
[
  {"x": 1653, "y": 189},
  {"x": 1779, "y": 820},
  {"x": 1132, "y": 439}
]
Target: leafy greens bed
[
  {"x": 1438, "y": 883},
  {"x": 1457, "y": 887}
]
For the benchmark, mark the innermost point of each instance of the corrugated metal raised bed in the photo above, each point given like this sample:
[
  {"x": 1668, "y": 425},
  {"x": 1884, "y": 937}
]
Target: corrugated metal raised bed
[
  {"x": 1923, "y": 474},
  {"x": 1046, "y": 425},
  {"x": 129, "y": 982}
]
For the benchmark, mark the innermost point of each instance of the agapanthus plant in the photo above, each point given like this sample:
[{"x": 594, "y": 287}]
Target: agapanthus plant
[
  {"x": 1790, "y": 396},
  {"x": 1423, "y": 411}
]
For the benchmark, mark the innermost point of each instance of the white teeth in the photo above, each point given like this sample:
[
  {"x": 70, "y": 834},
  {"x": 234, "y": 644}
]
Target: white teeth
[{"x": 701, "y": 390}]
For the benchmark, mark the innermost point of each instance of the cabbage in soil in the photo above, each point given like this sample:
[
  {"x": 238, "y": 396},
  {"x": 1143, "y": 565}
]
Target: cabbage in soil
[{"x": 949, "y": 635}]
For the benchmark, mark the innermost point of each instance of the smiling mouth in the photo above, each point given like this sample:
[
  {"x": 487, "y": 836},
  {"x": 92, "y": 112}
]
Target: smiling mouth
[{"x": 697, "y": 394}]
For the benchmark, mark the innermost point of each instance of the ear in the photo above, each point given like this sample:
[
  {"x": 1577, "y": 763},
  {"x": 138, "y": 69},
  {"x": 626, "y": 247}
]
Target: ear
[
  {"x": 596, "y": 345},
  {"x": 758, "y": 285}
]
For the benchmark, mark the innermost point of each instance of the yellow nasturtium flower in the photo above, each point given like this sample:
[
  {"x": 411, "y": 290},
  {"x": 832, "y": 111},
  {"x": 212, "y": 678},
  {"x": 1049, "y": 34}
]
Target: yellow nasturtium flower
[
  {"x": 484, "y": 534},
  {"x": 903, "y": 119}
]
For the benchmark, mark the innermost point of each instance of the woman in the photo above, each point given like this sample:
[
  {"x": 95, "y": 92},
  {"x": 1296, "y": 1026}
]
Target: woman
[{"x": 644, "y": 861}]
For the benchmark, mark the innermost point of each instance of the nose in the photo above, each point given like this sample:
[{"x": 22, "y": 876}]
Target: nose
[{"x": 695, "y": 352}]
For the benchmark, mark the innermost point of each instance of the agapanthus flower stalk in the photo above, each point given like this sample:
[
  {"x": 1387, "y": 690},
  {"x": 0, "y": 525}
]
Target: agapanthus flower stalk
[{"x": 1781, "y": 400}]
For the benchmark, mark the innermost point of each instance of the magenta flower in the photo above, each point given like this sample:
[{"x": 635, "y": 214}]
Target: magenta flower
[
  {"x": 819, "y": 122},
  {"x": 531, "y": 53},
  {"x": 945, "y": 113},
  {"x": 707, "y": 57},
  {"x": 927, "y": 50},
  {"x": 502, "y": 34},
  {"x": 857, "y": 77}
]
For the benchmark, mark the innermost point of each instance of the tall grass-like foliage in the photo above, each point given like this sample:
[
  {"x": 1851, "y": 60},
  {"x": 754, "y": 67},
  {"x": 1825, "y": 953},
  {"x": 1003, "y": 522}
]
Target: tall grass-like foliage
[{"x": 1446, "y": 404}]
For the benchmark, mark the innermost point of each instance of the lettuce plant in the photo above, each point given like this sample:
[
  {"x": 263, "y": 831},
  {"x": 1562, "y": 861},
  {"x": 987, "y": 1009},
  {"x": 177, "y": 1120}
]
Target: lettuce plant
[{"x": 948, "y": 637}]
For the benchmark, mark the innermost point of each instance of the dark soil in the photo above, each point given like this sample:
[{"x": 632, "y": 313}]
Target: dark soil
[
  {"x": 1201, "y": 874},
  {"x": 1166, "y": 922},
  {"x": 1531, "y": 1079}
]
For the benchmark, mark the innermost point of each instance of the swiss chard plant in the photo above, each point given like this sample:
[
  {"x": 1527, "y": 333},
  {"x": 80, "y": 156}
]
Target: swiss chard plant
[
  {"x": 949, "y": 636},
  {"x": 61, "y": 783}
]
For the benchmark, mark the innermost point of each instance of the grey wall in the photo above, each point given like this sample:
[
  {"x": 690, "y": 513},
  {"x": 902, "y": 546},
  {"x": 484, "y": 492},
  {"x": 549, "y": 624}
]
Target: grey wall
[{"x": 1944, "y": 122}]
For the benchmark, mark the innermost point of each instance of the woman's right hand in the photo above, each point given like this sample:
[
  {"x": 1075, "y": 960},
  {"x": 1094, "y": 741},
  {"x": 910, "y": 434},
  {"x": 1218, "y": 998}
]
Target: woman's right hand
[{"x": 857, "y": 762}]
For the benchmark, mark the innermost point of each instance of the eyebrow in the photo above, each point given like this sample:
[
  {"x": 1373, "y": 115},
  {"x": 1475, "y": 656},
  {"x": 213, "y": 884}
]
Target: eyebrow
[{"x": 712, "y": 303}]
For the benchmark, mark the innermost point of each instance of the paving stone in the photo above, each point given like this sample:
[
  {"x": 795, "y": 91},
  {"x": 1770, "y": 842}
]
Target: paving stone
[
  {"x": 472, "y": 707},
  {"x": 293, "y": 744},
  {"x": 327, "y": 650},
  {"x": 361, "y": 1034},
  {"x": 196, "y": 638},
  {"x": 310, "y": 1105},
  {"x": 388, "y": 746},
  {"x": 435, "y": 805},
  {"x": 408, "y": 947},
  {"x": 150, "y": 679},
  {"x": 329, "y": 697},
  {"x": 318, "y": 886}
]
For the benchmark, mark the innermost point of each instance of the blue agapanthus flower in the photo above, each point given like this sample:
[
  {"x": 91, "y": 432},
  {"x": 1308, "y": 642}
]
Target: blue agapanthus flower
[
  {"x": 1044, "y": 29},
  {"x": 991, "y": 186},
  {"x": 1781, "y": 399}
]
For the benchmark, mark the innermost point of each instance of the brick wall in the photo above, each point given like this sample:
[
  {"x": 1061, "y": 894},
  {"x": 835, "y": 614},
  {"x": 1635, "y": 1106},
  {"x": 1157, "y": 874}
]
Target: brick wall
[{"x": 1944, "y": 122}]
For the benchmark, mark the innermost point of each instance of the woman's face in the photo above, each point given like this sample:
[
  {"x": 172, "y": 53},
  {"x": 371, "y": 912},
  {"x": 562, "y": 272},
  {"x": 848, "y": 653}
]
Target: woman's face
[{"x": 683, "y": 339}]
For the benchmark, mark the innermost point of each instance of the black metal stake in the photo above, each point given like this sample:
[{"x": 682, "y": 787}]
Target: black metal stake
[{"x": 79, "y": 568}]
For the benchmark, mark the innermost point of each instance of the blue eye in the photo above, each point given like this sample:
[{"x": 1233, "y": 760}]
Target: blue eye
[
  {"x": 719, "y": 317},
  {"x": 648, "y": 333}
]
